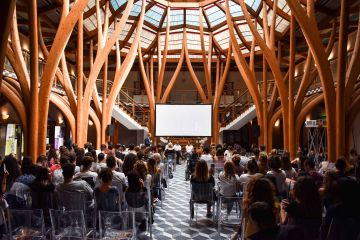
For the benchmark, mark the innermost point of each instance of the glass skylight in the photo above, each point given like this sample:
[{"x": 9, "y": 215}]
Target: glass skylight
[
  {"x": 117, "y": 3},
  {"x": 176, "y": 17},
  {"x": 215, "y": 15},
  {"x": 154, "y": 14}
]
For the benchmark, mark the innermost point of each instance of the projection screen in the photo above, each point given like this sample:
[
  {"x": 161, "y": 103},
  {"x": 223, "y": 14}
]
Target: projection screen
[{"x": 183, "y": 120}]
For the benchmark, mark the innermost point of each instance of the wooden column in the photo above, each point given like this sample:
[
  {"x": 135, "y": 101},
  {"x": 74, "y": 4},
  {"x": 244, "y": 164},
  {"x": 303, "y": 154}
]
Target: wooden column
[
  {"x": 104, "y": 101},
  {"x": 33, "y": 116},
  {"x": 6, "y": 14},
  {"x": 264, "y": 129},
  {"x": 292, "y": 148},
  {"x": 340, "y": 79},
  {"x": 80, "y": 128}
]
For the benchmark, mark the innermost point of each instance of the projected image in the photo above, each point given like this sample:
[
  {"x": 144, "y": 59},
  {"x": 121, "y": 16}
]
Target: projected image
[{"x": 183, "y": 120}]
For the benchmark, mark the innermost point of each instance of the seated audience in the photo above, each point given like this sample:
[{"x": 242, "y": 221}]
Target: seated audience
[
  {"x": 129, "y": 162},
  {"x": 342, "y": 220},
  {"x": 252, "y": 169},
  {"x": 101, "y": 162},
  {"x": 85, "y": 174},
  {"x": 311, "y": 171},
  {"x": 28, "y": 171},
  {"x": 206, "y": 156},
  {"x": 118, "y": 177},
  {"x": 303, "y": 209},
  {"x": 57, "y": 176},
  {"x": 263, "y": 164},
  {"x": 264, "y": 220},
  {"x": 239, "y": 169},
  {"x": 11, "y": 170},
  {"x": 201, "y": 175},
  {"x": 286, "y": 166},
  {"x": 69, "y": 185},
  {"x": 280, "y": 176},
  {"x": 107, "y": 196},
  {"x": 228, "y": 183},
  {"x": 259, "y": 189},
  {"x": 244, "y": 159},
  {"x": 42, "y": 161}
]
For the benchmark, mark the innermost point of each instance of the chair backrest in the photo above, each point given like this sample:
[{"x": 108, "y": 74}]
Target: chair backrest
[
  {"x": 68, "y": 224},
  {"x": 70, "y": 200},
  {"x": 138, "y": 201},
  {"x": 202, "y": 192},
  {"x": 26, "y": 224},
  {"x": 90, "y": 181},
  {"x": 117, "y": 225},
  {"x": 112, "y": 202},
  {"x": 340, "y": 228}
]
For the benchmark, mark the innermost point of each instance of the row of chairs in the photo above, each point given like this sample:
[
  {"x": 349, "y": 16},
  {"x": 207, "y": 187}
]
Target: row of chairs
[
  {"x": 227, "y": 210},
  {"x": 29, "y": 224},
  {"x": 74, "y": 217}
]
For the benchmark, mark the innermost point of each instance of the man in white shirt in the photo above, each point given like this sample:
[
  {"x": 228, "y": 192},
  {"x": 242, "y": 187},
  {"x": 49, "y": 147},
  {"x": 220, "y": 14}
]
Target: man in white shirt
[
  {"x": 86, "y": 173},
  {"x": 206, "y": 156},
  {"x": 118, "y": 177},
  {"x": 251, "y": 167},
  {"x": 177, "y": 148},
  {"x": 75, "y": 186},
  {"x": 243, "y": 159},
  {"x": 189, "y": 148}
]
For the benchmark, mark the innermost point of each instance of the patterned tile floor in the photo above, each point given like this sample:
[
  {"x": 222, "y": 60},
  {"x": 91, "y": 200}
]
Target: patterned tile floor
[{"x": 172, "y": 220}]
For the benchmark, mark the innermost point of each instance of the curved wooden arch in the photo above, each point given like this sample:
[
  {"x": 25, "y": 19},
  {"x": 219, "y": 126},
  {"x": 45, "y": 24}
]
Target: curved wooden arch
[
  {"x": 19, "y": 106},
  {"x": 96, "y": 121},
  {"x": 174, "y": 77},
  {"x": 191, "y": 70},
  {"x": 163, "y": 61},
  {"x": 125, "y": 68},
  {"x": 245, "y": 71},
  {"x": 205, "y": 64},
  {"x": 271, "y": 125},
  {"x": 312, "y": 37},
  {"x": 148, "y": 92},
  {"x": 351, "y": 115},
  {"x": 64, "y": 108},
  {"x": 218, "y": 92},
  {"x": 62, "y": 36},
  {"x": 101, "y": 56},
  {"x": 353, "y": 69},
  {"x": 313, "y": 102},
  {"x": 275, "y": 68}
]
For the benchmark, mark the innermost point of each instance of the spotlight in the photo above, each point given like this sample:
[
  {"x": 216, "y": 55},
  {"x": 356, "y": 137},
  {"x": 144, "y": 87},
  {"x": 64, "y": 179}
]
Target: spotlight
[{"x": 91, "y": 123}]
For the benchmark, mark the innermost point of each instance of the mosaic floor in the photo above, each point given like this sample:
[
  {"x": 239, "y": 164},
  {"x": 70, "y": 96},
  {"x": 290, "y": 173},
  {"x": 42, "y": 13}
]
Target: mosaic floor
[{"x": 172, "y": 221}]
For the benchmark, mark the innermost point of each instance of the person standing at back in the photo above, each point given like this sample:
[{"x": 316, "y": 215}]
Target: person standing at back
[
  {"x": 147, "y": 141},
  {"x": 177, "y": 148}
]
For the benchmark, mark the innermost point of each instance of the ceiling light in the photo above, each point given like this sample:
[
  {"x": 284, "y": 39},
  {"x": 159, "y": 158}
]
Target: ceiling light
[
  {"x": 91, "y": 123},
  {"x": 5, "y": 116},
  {"x": 277, "y": 123}
]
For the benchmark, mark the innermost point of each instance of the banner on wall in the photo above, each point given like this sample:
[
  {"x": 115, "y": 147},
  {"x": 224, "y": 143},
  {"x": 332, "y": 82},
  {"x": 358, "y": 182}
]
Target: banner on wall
[
  {"x": 59, "y": 137},
  {"x": 11, "y": 140}
]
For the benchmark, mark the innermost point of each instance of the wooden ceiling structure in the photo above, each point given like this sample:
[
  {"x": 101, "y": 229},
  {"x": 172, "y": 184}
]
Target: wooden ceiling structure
[{"x": 93, "y": 37}]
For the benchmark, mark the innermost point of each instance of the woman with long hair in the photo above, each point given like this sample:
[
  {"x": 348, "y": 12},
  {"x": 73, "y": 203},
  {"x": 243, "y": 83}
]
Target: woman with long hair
[
  {"x": 229, "y": 183},
  {"x": 259, "y": 189},
  {"x": 201, "y": 176},
  {"x": 305, "y": 210},
  {"x": 129, "y": 162}
]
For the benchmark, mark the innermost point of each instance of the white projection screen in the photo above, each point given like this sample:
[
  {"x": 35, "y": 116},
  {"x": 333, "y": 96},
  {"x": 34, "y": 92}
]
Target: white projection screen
[{"x": 183, "y": 120}]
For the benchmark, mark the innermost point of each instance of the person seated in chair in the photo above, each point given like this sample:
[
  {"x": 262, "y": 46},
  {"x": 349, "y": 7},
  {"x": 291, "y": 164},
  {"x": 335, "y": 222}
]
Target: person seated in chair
[
  {"x": 85, "y": 174},
  {"x": 107, "y": 196},
  {"x": 70, "y": 185},
  {"x": 201, "y": 176},
  {"x": 264, "y": 219}
]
